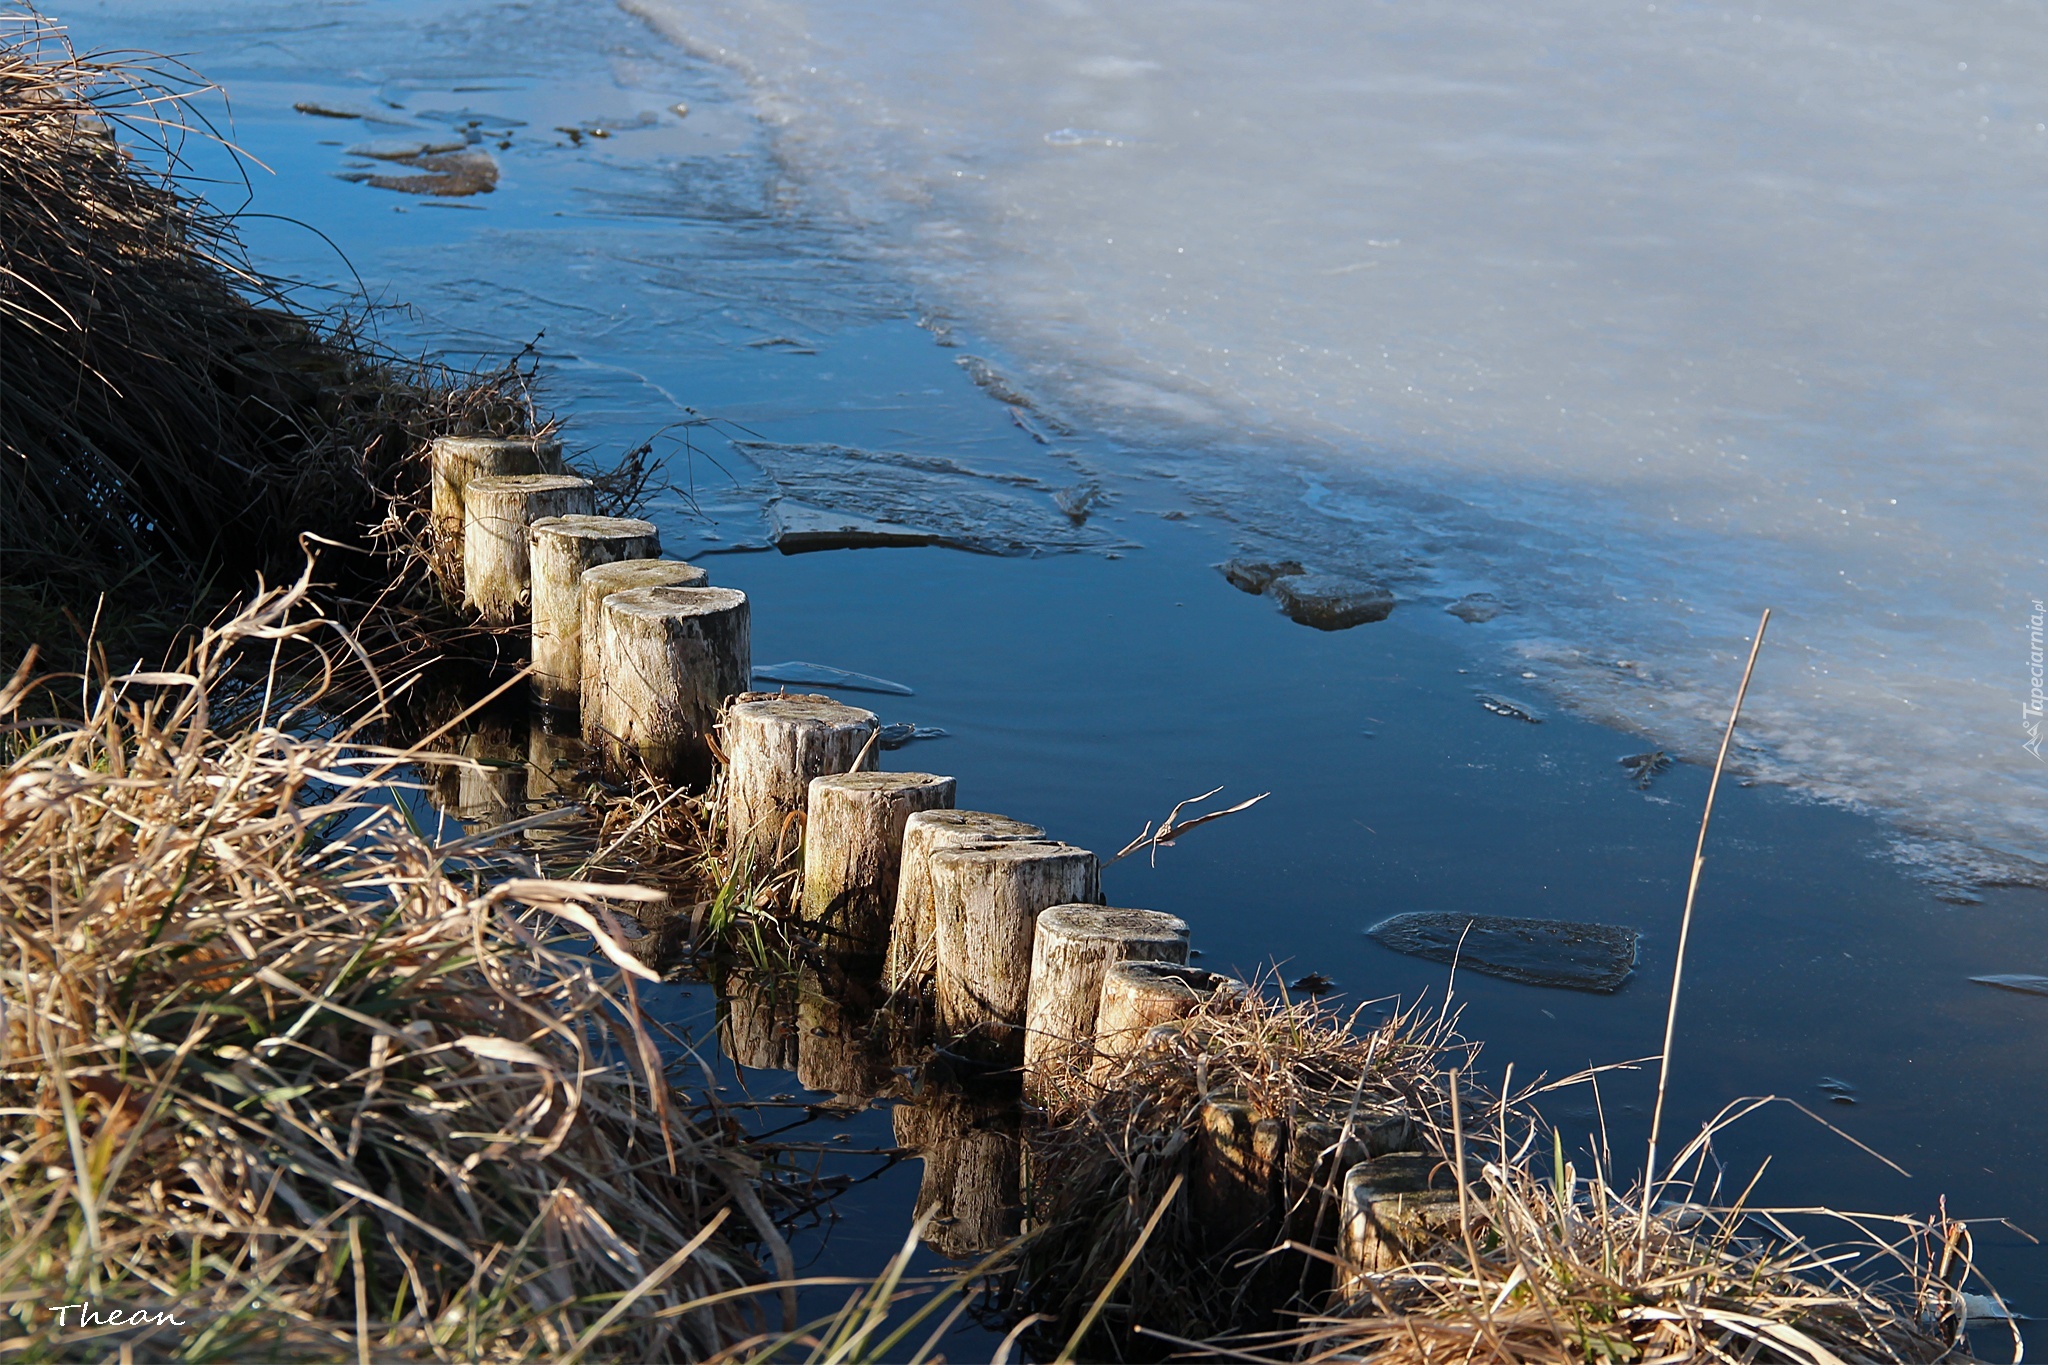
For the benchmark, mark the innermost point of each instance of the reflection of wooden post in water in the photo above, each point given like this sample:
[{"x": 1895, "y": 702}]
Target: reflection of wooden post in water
[
  {"x": 1138, "y": 997},
  {"x": 1070, "y": 953},
  {"x": 774, "y": 746},
  {"x": 757, "y": 1021},
  {"x": 912, "y": 943},
  {"x": 1239, "y": 1155},
  {"x": 492, "y": 788},
  {"x": 853, "y": 847},
  {"x": 973, "y": 1164},
  {"x": 986, "y": 899},
  {"x": 458, "y": 459},
  {"x": 496, "y": 512},
  {"x": 554, "y": 755},
  {"x": 671, "y": 658},
  {"x": 600, "y": 583},
  {"x": 835, "y": 1042},
  {"x": 562, "y": 550}
]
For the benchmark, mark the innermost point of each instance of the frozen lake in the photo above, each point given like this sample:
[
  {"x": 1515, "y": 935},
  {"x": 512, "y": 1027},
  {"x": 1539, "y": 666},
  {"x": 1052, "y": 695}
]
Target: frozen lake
[{"x": 1641, "y": 316}]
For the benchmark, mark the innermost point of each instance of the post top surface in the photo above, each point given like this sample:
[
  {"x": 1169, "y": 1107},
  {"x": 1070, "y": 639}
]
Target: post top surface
[
  {"x": 526, "y": 483},
  {"x": 1109, "y": 922},
  {"x": 995, "y": 852},
  {"x": 821, "y": 710},
  {"x": 642, "y": 573},
  {"x": 579, "y": 527},
  {"x": 496, "y": 442},
  {"x": 969, "y": 823},
  {"x": 666, "y": 601},
  {"x": 1174, "y": 978},
  {"x": 879, "y": 782}
]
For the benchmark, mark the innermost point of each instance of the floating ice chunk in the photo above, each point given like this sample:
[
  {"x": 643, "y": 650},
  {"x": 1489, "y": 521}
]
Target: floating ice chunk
[
  {"x": 824, "y": 675},
  {"x": 2029, "y": 985},
  {"x": 1536, "y": 952}
]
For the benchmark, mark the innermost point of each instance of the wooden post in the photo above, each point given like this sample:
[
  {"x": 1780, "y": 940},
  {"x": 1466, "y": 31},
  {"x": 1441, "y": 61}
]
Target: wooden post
[
  {"x": 672, "y": 656},
  {"x": 1138, "y": 997},
  {"x": 913, "y": 947},
  {"x": 774, "y": 746},
  {"x": 1070, "y": 953},
  {"x": 1239, "y": 1154},
  {"x": 600, "y": 583},
  {"x": 757, "y": 1021},
  {"x": 853, "y": 848},
  {"x": 1319, "y": 1155},
  {"x": 458, "y": 459},
  {"x": 986, "y": 899},
  {"x": 1395, "y": 1208},
  {"x": 496, "y": 514},
  {"x": 562, "y": 550}
]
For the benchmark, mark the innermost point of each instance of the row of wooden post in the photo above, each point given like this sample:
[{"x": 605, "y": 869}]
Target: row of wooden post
[{"x": 1005, "y": 925}]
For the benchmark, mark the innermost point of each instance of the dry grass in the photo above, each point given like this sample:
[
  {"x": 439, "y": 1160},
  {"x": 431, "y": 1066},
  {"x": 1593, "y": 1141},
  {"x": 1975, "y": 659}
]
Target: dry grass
[
  {"x": 273, "y": 1063},
  {"x": 174, "y": 418},
  {"x": 1545, "y": 1265}
]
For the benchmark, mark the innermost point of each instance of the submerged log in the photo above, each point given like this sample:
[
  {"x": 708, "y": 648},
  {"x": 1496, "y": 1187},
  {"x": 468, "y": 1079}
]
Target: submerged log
[
  {"x": 913, "y": 947},
  {"x": 496, "y": 514},
  {"x": 672, "y": 656},
  {"x": 601, "y": 582},
  {"x": 986, "y": 899},
  {"x": 1072, "y": 950},
  {"x": 774, "y": 746},
  {"x": 562, "y": 550},
  {"x": 459, "y": 459},
  {"x": 1138, "y": 997},
  {"x": 853, "y": 849}
]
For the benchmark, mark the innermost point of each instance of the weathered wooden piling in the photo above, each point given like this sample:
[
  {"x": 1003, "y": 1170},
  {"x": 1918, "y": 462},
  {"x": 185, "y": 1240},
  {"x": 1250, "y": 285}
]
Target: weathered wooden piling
[
  {"x": 496, "y": 513},
  {"x": 853, "y": 849},
  {"x": 1071, "y": 951},
  {"x": 672, "y": 656},
  {"x": 1239, "y": 1157},
  {"x": 986, "y": 899},
  {"x": 774, "y": 745},
  {"x": 1138, "y": 997},
  {"x": 561, "y": 551},
  {"x": 1394, "y": 1206},
  {"x": 912, "y": 956},
  {"x": 459, "y": 459},
  {"x": 601, "y": 582},
  {"x": 1324, "y": 1144}
]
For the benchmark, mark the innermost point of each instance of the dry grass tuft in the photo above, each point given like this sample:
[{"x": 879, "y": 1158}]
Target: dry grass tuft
[
  {"x": 276, "y": 1065},
  {"x": 1534, "y": 1263}
]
